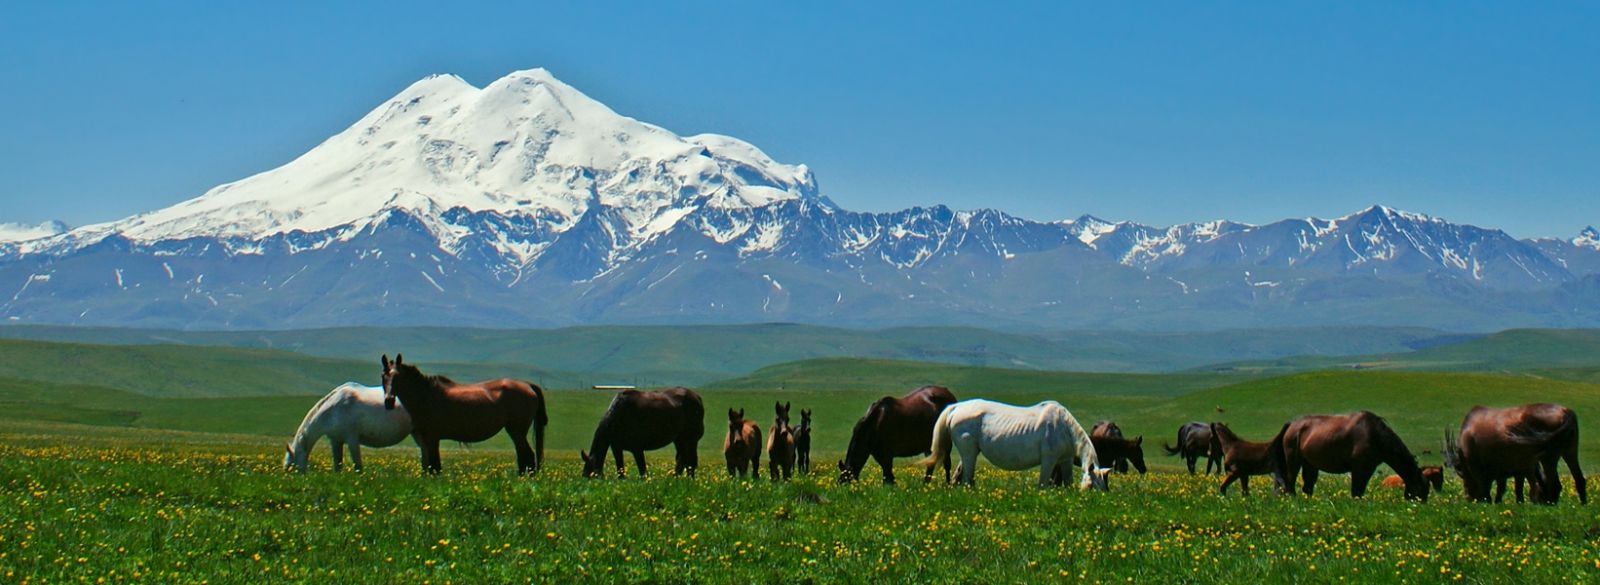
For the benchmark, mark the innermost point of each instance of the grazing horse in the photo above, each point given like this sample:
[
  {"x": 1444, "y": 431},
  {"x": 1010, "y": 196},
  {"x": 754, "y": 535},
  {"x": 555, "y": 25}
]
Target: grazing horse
[
  {"x": 1523, "y": 441},
  {"x": 1103, "y": 429},
  {"x": 1194, "y": 441},
  {"x": 1015, "y": 438},
  {"x": 351, "y": 416},
  {"x": 1242, "y": 459},
  {"x": 802, "y": 443},
  {"x": 1120, "y": 452},
  {"x": 1354, "y": 443},
  {"x": 780, "y": 444},
  {"x": 644, "y": 421},
  {"x": 895, "y": 427},
  {"x": 441, "y": 410},
  {"x": 742, "y": 446}
]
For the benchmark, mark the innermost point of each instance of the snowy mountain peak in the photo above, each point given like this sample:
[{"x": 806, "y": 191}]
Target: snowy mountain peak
[
  {"x": 16, "y": 232},
  {"x": 526, "y": 145},
  {"x": 1588, "y": 238}
]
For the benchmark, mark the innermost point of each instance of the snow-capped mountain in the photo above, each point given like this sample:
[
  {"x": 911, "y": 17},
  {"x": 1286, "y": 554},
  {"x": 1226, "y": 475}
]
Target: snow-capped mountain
[
  {"x": 526, "y": 203},
  {"x": 17, "y": 232}
]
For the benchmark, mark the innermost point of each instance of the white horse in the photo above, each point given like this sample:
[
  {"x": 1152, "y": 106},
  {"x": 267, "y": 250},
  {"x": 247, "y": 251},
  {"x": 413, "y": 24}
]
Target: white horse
[
  {"x": 351, "y": 415},
  {"x": 1016, "y": 438}
]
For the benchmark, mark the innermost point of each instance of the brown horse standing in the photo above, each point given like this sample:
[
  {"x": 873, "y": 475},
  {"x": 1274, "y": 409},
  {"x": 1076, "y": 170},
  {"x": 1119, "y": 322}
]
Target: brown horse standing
[
  {"x": 896, "y": 427},
  {"x": 802, "y": 443},
  {"x": 1354, "y": 443},
  {"x": 1523, "y": 441},
  {"x": 444, "y": 410},
  {"x": 644, "y": 421},
  {"x": 780, "y": 444},
  {"x": 1241, "y": 458},
  {"x": 742, "y": 446},
  {"x": 1122, "y": 451},
  {"x": 1195, "y": 440}
]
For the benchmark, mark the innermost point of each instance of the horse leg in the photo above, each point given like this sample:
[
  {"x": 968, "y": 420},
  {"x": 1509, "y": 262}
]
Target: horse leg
[
  {"x": 1359, "y": 478},
  {"x": 338, "y": 455},
  {"x": 1289, "y": 474},
  {"x": 685, "y": 458},
  {"x": 1190, "y": 459},
  {"x": 355, "y": 454},
  {"x": 1549, "y": 490},
  {"x": 1578, "y": 481},
  {"x": 1228, "y": 480},
  {"x": 1309, "y": 478},
  {"x": 1500, "y": 490},
  {"x": 887, "y": 463},
  {"x": 525, "y": 459},
  {"x": 616, "y": 455},
  {"x": 638, "y": 461},
  {"x": 432, "y": 464}
]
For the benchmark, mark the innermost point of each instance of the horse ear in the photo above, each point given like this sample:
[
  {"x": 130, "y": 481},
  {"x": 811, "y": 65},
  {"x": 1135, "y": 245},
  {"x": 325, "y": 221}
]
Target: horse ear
[
  {"x": 787, "y": 406},
  {"x": 741, "y": 413},
  {"x": 1139, "y": 440},
  {"x": 384, "y": 360},
  {"x": 732, "y": 415},
  {"x": 398, "y": 358}
]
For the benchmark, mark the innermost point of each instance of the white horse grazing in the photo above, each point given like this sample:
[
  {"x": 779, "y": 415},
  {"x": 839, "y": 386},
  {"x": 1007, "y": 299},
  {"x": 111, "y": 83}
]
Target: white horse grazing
[
  {"x": 1016, "y": 438},
  {"x": 351, "y": 415}
]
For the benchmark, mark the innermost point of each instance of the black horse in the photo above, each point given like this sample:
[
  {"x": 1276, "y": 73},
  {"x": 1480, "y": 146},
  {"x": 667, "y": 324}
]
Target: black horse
[{"x": 644, "y": 421}]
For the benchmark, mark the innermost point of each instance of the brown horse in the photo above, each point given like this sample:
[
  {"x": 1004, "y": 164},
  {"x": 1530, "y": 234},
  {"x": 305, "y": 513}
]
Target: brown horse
[
  {"x": 1241, "y": 458},
  {"x": 645, "y": 421},
  {"x": 742, "y": 445},
  {"x": 1103, "y": 429},
  {"x": 1354, "y": 443},
  {"x": 1523, "y": 441},
  {"x": 802, "y": 443},
  {"x": 441, "y": 410},
  {"x": 1195, "y": 440},
  {"x": 1123, "y": 451},
  {"x": 896, "y": 427},
  {"x": 780, "y": 444}
]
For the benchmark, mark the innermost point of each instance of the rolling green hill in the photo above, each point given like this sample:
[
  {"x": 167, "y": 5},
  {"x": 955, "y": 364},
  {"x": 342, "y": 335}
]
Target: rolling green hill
[
  {"x": 1572, "y": 354},
  {"x": 695, "y": 355}
]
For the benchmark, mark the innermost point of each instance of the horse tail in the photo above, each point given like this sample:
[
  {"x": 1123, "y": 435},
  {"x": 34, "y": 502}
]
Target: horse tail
[
  {"x": 1183, "y": 432},
  {"x": 1276, "y": 455},
  {"x": 541, "y": 419},
  {"x": 940, "y": 449}
]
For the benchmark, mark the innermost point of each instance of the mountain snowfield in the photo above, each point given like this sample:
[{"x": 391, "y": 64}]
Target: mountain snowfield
[{"x": 527, "y": 203}]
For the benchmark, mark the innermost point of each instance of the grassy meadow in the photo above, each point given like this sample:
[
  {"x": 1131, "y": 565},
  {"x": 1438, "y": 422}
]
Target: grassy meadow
[{"x": 130, "y": 471}]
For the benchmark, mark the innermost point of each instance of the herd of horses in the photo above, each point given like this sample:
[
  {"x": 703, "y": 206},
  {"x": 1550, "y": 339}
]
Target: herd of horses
[{"x": 1521, "y": 444}]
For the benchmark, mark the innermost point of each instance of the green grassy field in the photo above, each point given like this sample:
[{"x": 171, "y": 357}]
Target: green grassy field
[{"x": 115, "y": 473}]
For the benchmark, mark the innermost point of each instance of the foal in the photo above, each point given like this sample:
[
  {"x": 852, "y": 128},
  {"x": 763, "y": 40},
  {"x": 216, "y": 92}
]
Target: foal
[
  {"x": 780, "y": 444},
  {"x": 1242, "y": 459},
  {"x": 802, "y": 443},
  {"x": 742, "y": 446}
]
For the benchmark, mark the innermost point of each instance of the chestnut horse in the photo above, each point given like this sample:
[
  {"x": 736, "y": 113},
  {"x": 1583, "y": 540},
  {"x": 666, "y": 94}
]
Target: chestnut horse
[
  {"x": 644, "y": 421},
  {"x": 1354, "y": 443},
  {"x": 441, "y": 410},
  {"x": 742, "y": 446},
  {"x": 780, "y": 444},
  {"x": 1240, "y": 458},
  {"x": 802, "y": 443},
  {"x": 896, "y": 427},
  {"x": 1523, "y": 441},
  {"x": 1195, "y": 441}
]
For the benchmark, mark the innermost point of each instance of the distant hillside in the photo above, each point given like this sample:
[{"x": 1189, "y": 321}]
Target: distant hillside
[
  {"x": 695, "y": 355},
  {"x": 195, "y": 371},
  {"x": 1572, "y": 354}
]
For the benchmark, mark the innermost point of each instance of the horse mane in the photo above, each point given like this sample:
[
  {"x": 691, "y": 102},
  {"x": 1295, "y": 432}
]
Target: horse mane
[{"x": 442, "y": 380}]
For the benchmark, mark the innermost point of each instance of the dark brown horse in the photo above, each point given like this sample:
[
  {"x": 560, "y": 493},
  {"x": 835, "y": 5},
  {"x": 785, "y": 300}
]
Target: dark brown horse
[
  {"x": 1195, "y": 441},
  {"x": 442, "y": 410},
  {"x": 802, "y": 443},
  {"x": 780, "y": 444},
  {"x": 645, "y": 421},
  {"x": 896, "y": 427},
  {"x": 742, "y": 446},
  {"x": 1523, "y": 441},
  {"x": 1241, "y": 458},
  {"x": 1354, "y": 443},
  {"x": 1121, "y": 450},
  {"x": 1103, "y": 429}
]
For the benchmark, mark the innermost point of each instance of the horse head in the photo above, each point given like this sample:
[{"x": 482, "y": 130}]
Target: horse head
[
  {"x": 289, "y": 459},
  {"x": 782, "y": 410},
  {"x": 805, "y": 420},
  {"x": 1135, "y": 453},
  {"x": 388, "y": 378},
  {"x": 1099, "y": 479},
  {"x": 592, "y": 466},
  {"x": 736, "y": 423}
]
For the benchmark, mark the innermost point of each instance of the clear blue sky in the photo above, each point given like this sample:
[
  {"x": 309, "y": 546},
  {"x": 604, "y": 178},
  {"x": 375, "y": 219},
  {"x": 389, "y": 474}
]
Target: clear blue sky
[{"x": 1159, "y": 113}]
